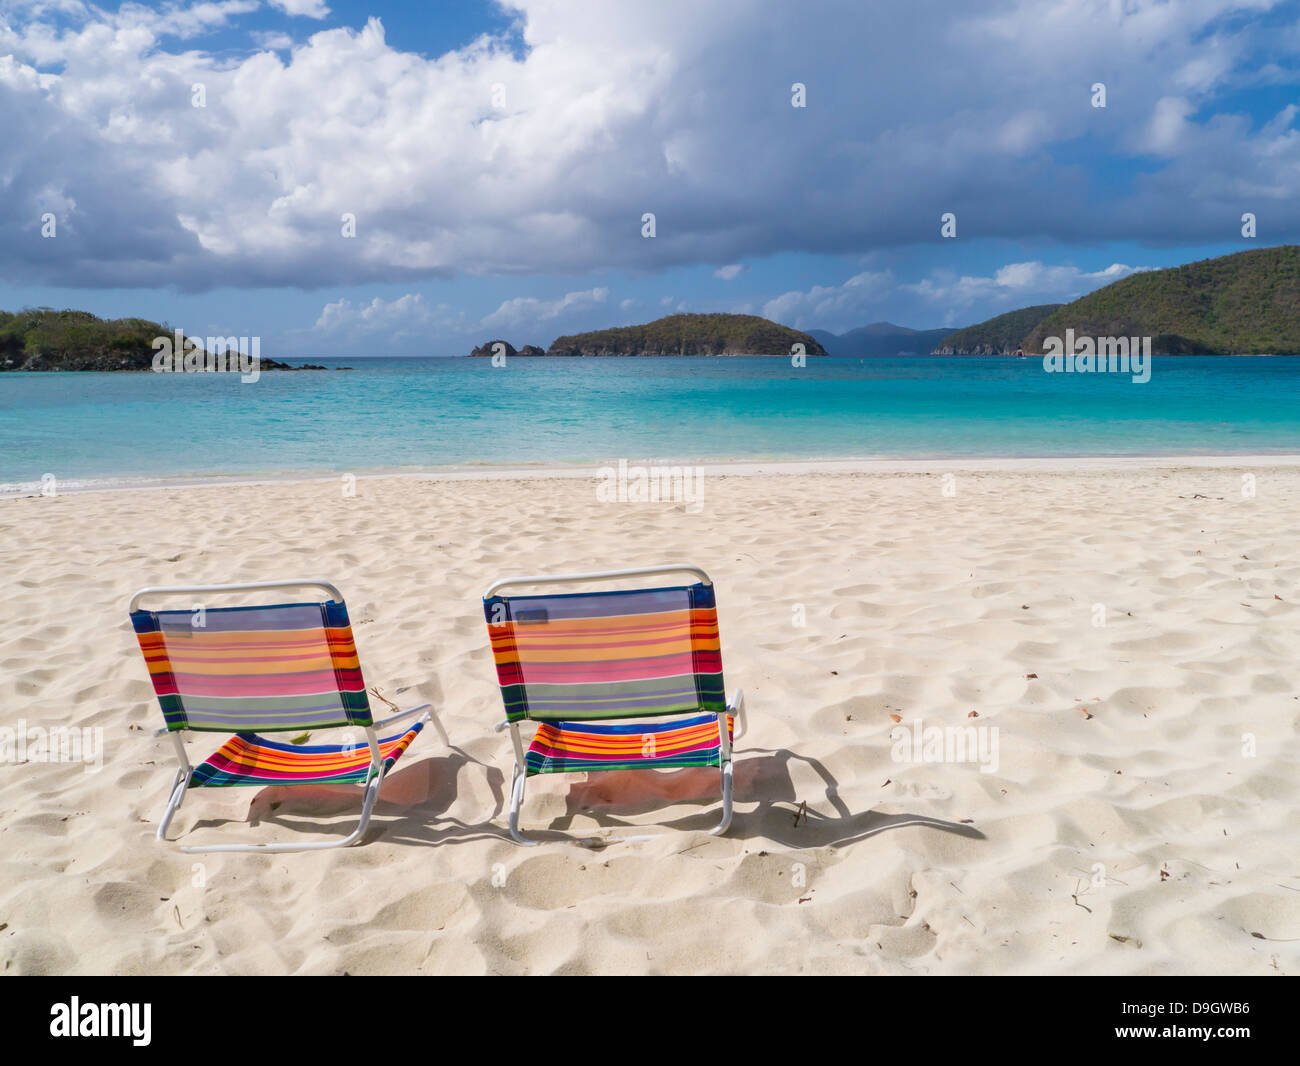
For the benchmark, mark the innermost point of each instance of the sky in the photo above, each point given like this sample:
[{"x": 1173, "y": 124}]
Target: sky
[{"x": 358, "y": 177}]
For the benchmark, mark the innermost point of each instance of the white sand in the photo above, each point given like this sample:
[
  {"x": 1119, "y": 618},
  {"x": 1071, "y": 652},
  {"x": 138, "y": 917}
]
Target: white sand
[{"x": 1142, "y": 839}]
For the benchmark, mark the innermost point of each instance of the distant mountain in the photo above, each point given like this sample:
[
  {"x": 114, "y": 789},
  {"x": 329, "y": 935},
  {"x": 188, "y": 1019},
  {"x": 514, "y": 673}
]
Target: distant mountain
[
  {"x": 1247, "y": 303},
  {"x": 998, "y": 336},
  {"x": 687, "y": 335},
  {"x": 880, "y": 338}
]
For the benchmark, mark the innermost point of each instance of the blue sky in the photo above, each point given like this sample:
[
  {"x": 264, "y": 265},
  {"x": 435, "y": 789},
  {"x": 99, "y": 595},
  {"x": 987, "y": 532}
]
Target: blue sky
[{"x": 498, "y": 159}]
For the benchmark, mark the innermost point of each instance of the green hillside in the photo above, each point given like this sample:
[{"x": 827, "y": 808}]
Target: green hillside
[
  {"x": 45, "y": 339},
  {"x": 716, "y": 334},
  {"x": 998, "y": 336},
  {"x": 41, "y": 338},
  {"x": 1242, "y": 304}
]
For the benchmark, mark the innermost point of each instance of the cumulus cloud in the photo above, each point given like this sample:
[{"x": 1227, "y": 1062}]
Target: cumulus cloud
[
  {"x": 527, "y": 310},
  {"x": 730, "y": 272},
  {"x": 541, "y": 152},
  {"x": 312, "y": 9},
  {"x": 941, "y": 299},
  {"x": 273, "y": 41},
  {"x": 822, "y": 305},
  {"x": 404, "y": 325}
]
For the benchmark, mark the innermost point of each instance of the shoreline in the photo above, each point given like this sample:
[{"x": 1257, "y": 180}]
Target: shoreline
[{"x": 716, "y": 468}]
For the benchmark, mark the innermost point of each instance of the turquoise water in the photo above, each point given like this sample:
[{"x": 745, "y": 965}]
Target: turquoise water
[{"x": 418, "y": 413}]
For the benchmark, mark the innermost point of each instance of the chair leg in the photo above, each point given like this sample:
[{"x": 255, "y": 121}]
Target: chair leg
[
  {"x": 516, "y": 802},
  {"x": 726, "y": 802},
  {"x": 174, "y": 802},
  {"x": 367, "y": 806}
]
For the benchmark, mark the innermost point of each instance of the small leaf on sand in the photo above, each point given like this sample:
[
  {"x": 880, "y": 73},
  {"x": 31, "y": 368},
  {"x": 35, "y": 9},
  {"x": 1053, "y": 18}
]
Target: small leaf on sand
[
  {"x": 1031, "y": 677},
  {"x": 895, "y": 717},
  {"x": 301, "y": 738}
]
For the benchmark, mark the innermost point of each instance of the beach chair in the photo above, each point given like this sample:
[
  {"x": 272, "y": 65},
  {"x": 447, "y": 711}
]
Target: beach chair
[
  {"x": 284, "y": 667},
  {"x": 579, "y": 664}
]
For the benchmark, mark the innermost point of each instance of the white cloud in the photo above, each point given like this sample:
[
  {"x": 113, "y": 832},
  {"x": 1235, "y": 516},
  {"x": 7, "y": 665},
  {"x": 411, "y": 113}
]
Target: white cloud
[
  {"x": 941, "y": 299},
  {"x": 614, "y": 110},
  {"x": 312, "y": 9},
  {"x": 274, "y": 41},
  {"x": 527, "y": 310},
  {"x": 394, "y": 321},
  {"x": 840, "y": 304},
  {"x": 730, "y": 272},
  {"x": 1014, "y": 285},
  {"x": 1168, "y": 125}
]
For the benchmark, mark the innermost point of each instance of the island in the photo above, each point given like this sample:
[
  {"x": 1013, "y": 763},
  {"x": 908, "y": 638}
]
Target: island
[
  {"x": 1247, "y": 303},
  {"x": 683, "y": 334},
  {"x": 489, "y": 348},
  {"x": 43, "y": 339}
]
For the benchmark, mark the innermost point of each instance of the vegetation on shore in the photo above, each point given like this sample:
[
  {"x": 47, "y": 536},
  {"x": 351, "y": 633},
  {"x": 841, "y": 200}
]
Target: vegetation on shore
[
  {"x": 42, "y": 338},
  {"x": 1001, "y": 335},
  {"x": 715, "y": 334},
  {"x": 1247, "y": 303}
]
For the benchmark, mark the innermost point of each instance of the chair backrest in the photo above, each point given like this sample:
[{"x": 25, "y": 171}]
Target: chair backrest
[
  {"x": 277, "y": 667},
  {"x": 591, "y": 655}
]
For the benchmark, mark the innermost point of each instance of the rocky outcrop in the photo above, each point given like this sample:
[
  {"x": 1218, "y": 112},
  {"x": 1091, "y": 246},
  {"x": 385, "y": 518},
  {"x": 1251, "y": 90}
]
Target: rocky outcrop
[{"x": 975, "y": 349}]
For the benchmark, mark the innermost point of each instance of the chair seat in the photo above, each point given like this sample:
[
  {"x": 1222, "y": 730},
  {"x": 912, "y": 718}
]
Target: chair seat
[
  {"x": 569, "y": 747},
  {"x": 248, "y": 759}
]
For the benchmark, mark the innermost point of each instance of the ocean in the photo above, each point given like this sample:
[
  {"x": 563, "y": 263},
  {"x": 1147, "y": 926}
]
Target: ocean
[{"x": 410, "y": 414}]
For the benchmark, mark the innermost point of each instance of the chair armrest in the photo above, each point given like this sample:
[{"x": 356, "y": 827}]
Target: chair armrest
[{"x": 736, "y": 706}]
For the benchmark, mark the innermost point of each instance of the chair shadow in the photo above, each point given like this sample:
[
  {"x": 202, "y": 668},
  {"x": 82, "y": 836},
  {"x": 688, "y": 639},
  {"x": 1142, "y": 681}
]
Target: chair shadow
[
  {"x": 611, "y": 798},
  {"x": 412, "y": 797}
]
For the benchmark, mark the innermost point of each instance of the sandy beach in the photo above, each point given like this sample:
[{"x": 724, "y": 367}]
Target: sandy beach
[{"x": 1124, "y": 634}]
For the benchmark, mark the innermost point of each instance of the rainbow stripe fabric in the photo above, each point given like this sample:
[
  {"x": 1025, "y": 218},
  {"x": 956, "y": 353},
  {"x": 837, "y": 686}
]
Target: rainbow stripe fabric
[
  {"x": 275, "y": 667},
  {"x": 246, "y": 759},
  {"x": 601, "y": 655},
  {"x": 566, "y": 747}
]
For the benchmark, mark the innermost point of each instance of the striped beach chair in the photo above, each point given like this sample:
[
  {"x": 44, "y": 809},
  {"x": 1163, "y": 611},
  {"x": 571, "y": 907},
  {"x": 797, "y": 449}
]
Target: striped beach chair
[
  {"x": 285, "y": 667},
  {"x": 581, "y": 664}
]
